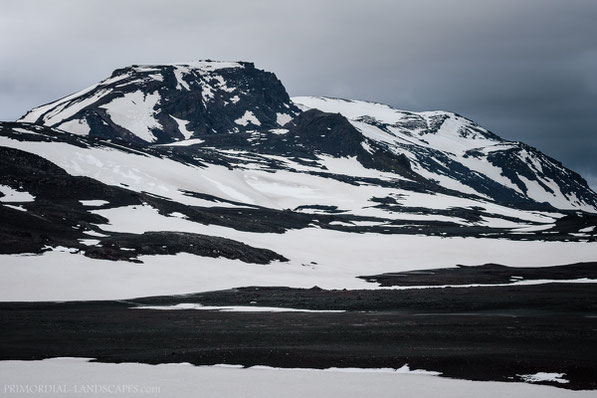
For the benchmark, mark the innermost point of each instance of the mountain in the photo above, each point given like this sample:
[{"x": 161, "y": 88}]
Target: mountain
[
  {"x": 459, "y": 154},
  {"x": 144, "y": 216},
  {"x": 233, "y": 105},
  {"x": 167, "y": 153},
  {"x": 166, "y": 103}
]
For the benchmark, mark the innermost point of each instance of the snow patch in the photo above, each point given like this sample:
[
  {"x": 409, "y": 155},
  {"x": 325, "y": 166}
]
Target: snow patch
[
  {"x": 135, "y": 113},
  {"x": 238, "y": 308},
  {"x": 341, "y": 258},
  {"x": 185, "y": 380},
  {"x": 89, "y": 242},
  {"x": 282, "y": 118},
  {"x": 97, "y": 202},
  {"x": 76, "y": 126},
  {"x": 20, "y": 208},
  {"x": 209, "y": 66},
  {"x": 179, "y": 73},
  {"x": 12, "y": 195},
  {"x": 182, "y": 127},
  {"x": 247, "y": 118},
  {"x": 190, "y": 141},
  {"x": 545, "y": 376}
]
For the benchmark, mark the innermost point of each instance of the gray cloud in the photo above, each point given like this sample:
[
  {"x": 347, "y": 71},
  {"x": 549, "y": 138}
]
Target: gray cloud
[{"x": 526, "y": 70}]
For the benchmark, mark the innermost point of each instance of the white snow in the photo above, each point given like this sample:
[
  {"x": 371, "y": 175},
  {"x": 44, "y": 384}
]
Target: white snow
[
  {"x": 60, "y": 249},
  {"x": 351, "y": 109},
  {"x": 188, "y": 142},
  {"x": 97, "y": 202},
  {"x": 247, "y": 118},
  {"x": 179, "y": 73},
  {"x": 545, "y": 376},
  {"x": 12, "y": 195},
  {"x": 156, "y": 76},
  {"x": 515, "y": 281},
  {"x": 89, "y": 242},
  {"x": 36, "y": 113},
  {"x": 67, "y": 109},
  {"x": 20, "y": 208},
  {"x": 238, "y": 308},
  {"x": 135, "y": 112},
  {"x": 111, "y": 166},
  {"x": 534, "y": 228},
  {"x": 68, "y": 376},
  {"x": 76, "y": 126},
  {"x": 367, "y": 147},
  {"x": 209, "y": 66},
  {"x": 340, "y": 257},
  {"x": 282, "y": 118},
  {"x": 281, "y": 190},
  {"x": 253, "y": 184},
  {"x": 93, "y": 233},
  {"x": 537, "y": 192},
  {"x": 182, "y": 127},
  {"x": 449, "y": 139}
]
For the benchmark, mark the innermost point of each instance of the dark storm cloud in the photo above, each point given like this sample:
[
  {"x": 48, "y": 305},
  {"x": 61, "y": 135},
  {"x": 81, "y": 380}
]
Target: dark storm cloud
[{"x": 527, "y": 70}]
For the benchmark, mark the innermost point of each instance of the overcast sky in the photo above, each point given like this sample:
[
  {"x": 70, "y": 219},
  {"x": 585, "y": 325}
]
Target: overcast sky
[{"x": 525, "y": 69}]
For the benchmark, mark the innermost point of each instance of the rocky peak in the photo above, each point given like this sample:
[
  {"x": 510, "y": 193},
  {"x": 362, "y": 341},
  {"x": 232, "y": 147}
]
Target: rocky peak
[{"x": 166, "y": 103}]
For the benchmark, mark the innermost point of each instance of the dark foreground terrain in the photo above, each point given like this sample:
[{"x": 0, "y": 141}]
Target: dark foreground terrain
[
  {"x": 484, "y": 333},
  {"x": 484, "y": 274}
]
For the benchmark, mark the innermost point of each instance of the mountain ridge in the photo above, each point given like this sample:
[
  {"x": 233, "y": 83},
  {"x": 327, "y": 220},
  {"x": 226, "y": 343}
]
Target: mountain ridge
[{"x": 233, "y": 106}]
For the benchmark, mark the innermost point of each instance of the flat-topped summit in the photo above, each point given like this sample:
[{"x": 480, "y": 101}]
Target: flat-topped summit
[{"x": 167, "y": 103}]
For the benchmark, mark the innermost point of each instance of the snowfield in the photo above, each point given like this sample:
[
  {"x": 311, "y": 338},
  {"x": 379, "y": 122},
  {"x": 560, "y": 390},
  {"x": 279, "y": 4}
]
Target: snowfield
[
  {"x": 339, "y": 258},
  {"x": 253, "y": 185},
  {"x": 460, "y": 139},
  {"x": 12, "y": 195},
  {"x": 51, "y": 377}
]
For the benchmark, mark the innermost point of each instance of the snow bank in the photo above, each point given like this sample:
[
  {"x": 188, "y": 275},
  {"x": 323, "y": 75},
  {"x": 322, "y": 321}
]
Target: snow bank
[{"x": 185, "y": 380}]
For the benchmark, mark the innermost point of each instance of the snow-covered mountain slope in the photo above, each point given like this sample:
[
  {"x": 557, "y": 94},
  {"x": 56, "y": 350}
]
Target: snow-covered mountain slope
[
  {"x": 204, "y": 218},
  {"x": 250, "y": 177},
  {"x": 337, "y": 188},
  {"x": 234, "y": 106},
  {"x": 461, "y": 155},
  {"x": 167, "y": 103},
  {"x": 220, "y": 219},
  {"x": 248, "y": 191}
]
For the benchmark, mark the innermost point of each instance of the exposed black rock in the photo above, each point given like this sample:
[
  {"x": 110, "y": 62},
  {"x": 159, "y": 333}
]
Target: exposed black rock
[
  {"x": 467, "y": 333},
  {"x": 484, "y": 274},
  {"x": 130, "y": 246},
  {"x": 208, "y": 97},
  {"x": 56, "y": 217}
]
